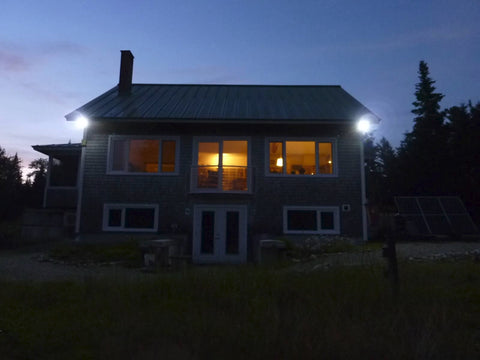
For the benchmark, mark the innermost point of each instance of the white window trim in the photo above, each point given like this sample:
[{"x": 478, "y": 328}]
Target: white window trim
[
  {"x": 317, "y": 140},
  {"x": 140, "y": 137},
  {"x": 110, "y": 206},
  {"x": 318, "y": 209}
]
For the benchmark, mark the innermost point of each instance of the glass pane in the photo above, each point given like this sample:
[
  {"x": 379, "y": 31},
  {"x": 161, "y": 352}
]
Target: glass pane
[
  {"x": 168, "y": 156},
  {"x": 118, "y": 156},
  {"x": 138, "y": 218},
  {"x": 208, "y": 153},
  {"x": 208, "y": 232},
  {"x": 326, "y": 220},
  {"x": 325, "y": 160},
  {"x": 304, "y": 220},
  {"x": 300, "y": 157},
  {"x": 235, "y": 153},
  {"x": 143, "y": 156},
  {"x": 115, "y": 217},
  {"x": 276, "y": 157},
  {"x": 232, "y": 235}
]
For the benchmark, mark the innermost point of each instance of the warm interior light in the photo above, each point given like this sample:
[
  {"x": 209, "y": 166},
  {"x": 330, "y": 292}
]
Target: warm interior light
[
  {"x": 81, "y": 122},
  {"x": 329, "y": 161},
  {"x": 280, "y": 162},
  {"x": 363, "y": 125}
]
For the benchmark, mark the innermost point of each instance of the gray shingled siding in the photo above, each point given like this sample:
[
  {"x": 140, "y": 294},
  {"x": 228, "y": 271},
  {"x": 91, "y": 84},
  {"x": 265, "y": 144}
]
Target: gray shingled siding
[{"x": 265, "y": 205}]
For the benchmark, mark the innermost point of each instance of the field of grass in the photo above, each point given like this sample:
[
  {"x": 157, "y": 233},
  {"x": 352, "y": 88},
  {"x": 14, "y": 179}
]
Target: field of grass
[{"x": 248, "y": 313}]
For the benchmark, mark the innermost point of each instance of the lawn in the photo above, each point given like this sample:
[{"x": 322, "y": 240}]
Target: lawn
[{"x": 249, "y": 312}]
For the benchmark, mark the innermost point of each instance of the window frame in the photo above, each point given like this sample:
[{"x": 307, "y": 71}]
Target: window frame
[
  {"x": 319, "y": 210},
  {"x": 110, "y": 155},
  {"x": 317, "y": 140},
  {"x": 123, "y": 207}
]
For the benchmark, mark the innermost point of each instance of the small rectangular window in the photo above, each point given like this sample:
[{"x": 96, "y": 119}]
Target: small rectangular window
[
  {"x": 118, "y": 217},
  {"x": 311, "y": 220}
]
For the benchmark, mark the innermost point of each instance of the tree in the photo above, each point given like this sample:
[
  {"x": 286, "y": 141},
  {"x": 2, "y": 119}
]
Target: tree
[
  {"x": 381, "y": 173},
  {"x": 11, "y": 203},
  {"x": 463, "y": 127},
  {"x": 423, "y": 152},
  {"x": 39, "y": 178}
]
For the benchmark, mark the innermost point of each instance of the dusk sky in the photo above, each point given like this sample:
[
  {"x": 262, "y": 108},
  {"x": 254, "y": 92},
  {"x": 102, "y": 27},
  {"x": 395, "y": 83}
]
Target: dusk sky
[{"x": 57, "y": 55}]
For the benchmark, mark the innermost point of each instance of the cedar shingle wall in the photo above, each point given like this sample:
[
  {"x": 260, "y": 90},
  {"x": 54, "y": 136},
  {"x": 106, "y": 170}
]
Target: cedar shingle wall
[{"x": 265, "y": 205}]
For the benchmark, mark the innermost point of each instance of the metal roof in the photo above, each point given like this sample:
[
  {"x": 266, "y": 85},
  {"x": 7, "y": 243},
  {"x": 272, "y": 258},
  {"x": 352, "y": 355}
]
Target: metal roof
[{"x": 226, "y": 103}]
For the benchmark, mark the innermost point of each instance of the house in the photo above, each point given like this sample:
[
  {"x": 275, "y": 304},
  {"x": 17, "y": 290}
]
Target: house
[{"x": 223, "y": 164}]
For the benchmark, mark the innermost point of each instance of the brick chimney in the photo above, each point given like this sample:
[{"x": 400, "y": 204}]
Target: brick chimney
[{"x": 126, "y": 72}]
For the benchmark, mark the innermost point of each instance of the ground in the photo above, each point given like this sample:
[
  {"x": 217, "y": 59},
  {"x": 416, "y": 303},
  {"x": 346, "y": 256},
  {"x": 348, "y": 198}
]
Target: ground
[{"x": 31, "y": 264}]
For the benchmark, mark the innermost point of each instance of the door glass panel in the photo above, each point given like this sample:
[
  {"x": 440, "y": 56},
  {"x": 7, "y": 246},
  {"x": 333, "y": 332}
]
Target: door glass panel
[
  {"x": 208, "y": 232},
  {"x": 232, "y": 235},
  {"x": 300, "y": 157}
]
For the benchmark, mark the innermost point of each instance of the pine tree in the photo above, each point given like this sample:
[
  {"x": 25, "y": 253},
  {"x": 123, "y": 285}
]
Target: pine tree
[{"x": 423, "y": 154}]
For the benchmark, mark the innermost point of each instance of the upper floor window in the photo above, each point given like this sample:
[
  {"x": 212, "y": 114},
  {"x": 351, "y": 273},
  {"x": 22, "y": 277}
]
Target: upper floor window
[
  {"x": 301, "y": 157},
  {"x": 153, "y": 155},
  {"x": 220, "y": 165}
]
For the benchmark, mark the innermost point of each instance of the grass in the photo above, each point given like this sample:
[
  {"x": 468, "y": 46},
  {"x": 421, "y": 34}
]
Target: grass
[
  {"x": 248, "y": 313},
  {"x": 128, "y": 253}
]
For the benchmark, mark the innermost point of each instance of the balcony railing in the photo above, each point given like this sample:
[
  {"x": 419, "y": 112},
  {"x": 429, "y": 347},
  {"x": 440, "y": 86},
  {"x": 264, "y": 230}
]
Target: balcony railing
[{"x": 221, "y": 179}]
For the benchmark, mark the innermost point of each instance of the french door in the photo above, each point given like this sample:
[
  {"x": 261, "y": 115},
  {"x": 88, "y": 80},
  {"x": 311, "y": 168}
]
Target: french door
[{"x": 220, "y": 234}]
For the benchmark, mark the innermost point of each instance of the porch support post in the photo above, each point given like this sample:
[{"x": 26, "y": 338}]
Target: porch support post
[{"x": 364, "y": 193}]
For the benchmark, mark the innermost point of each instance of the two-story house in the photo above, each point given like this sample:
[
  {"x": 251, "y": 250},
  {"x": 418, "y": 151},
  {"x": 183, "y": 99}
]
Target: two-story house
[{"x": 221, "y": 163}]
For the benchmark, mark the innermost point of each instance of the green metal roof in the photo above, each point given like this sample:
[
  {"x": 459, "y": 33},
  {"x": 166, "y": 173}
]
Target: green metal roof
[{"x": 226, "y": 103}]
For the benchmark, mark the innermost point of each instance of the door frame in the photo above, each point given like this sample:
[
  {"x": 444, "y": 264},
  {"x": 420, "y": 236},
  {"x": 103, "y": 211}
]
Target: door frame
[{"x": 218, "y": 255}]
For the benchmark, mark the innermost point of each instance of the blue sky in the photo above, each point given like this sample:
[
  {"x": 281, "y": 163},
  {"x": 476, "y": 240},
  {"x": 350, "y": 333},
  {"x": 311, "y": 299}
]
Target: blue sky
[{"x": 57, "y": 55}]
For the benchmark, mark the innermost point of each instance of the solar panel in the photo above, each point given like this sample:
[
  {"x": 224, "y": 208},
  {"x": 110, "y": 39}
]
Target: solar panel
[{"x": 435, "y": 215}]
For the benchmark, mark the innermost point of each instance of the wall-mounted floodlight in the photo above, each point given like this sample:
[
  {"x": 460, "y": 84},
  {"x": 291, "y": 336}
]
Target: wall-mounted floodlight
[
  {"x": 81, "y": 122},
  {"x": 364, "y": 125}
]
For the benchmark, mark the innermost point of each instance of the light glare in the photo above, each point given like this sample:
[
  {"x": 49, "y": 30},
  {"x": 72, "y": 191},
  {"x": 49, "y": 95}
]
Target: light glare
[
  {"x": 81, "y": 122},
  {"x": 363, "y": 126}
]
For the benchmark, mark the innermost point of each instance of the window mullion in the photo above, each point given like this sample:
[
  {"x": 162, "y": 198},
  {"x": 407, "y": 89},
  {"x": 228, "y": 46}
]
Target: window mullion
[
  {"x": 123, "y": 217},
  {"x": 159, "y": 160},
  {"x": 317, "y": 159},
  {"x": 284, "y": 156},
  {"x": 126, "y": 154}
]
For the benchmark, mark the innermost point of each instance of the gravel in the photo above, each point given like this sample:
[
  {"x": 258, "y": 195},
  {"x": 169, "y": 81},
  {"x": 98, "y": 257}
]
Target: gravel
[{"x": 33, "y": 265}]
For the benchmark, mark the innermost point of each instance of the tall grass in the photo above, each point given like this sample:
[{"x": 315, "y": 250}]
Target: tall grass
[{"x": 249, "y": 313}]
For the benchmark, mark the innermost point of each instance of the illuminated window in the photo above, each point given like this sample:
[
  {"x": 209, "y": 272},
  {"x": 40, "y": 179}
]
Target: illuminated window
[
  {"x": 142, "y": 155},
  {"x": 301, "y": 157},
  {"x": 222, "y": 165},
  {"x": 130, "y": 217},
  {"x": 311, "y": 220}
]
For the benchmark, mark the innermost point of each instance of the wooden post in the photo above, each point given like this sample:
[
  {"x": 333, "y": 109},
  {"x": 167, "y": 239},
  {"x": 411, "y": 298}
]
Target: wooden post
[{"x": 390, "y": 253}]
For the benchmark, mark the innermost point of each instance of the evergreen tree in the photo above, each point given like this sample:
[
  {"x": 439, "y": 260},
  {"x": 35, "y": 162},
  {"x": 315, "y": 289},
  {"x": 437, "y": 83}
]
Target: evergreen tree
[
  {"x": 39, "y": 178},
  {"x": 11, "y": 203},
  {"x": 423, "y": 153}
]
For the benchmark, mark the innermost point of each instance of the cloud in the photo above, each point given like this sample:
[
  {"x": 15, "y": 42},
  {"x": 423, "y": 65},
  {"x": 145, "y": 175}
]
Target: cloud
[
  {"x": 13, "y": 62},
  {"x": 19, "y": 58}
]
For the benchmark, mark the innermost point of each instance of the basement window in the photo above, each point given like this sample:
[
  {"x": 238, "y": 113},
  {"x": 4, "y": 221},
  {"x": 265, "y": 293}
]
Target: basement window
[
  {"x": 311, "y": 220},
  {"x": 130, "y": 217}
]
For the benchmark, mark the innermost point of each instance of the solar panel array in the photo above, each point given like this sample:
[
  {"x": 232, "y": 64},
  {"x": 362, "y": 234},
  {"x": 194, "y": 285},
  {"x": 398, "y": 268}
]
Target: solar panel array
[{"x": 436, "y": 215}]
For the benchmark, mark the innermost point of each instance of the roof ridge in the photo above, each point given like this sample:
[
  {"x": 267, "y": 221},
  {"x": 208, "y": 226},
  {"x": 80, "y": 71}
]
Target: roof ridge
[{"x": 236, "y": 85}]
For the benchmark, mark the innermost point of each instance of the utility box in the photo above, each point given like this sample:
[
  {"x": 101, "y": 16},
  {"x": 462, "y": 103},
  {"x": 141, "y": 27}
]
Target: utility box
[{"x": 158, "y": 253}]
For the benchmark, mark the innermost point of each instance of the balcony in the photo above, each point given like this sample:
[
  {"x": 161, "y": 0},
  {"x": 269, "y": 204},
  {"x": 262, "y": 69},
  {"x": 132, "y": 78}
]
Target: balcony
[{"x": 221, "y": 179}]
